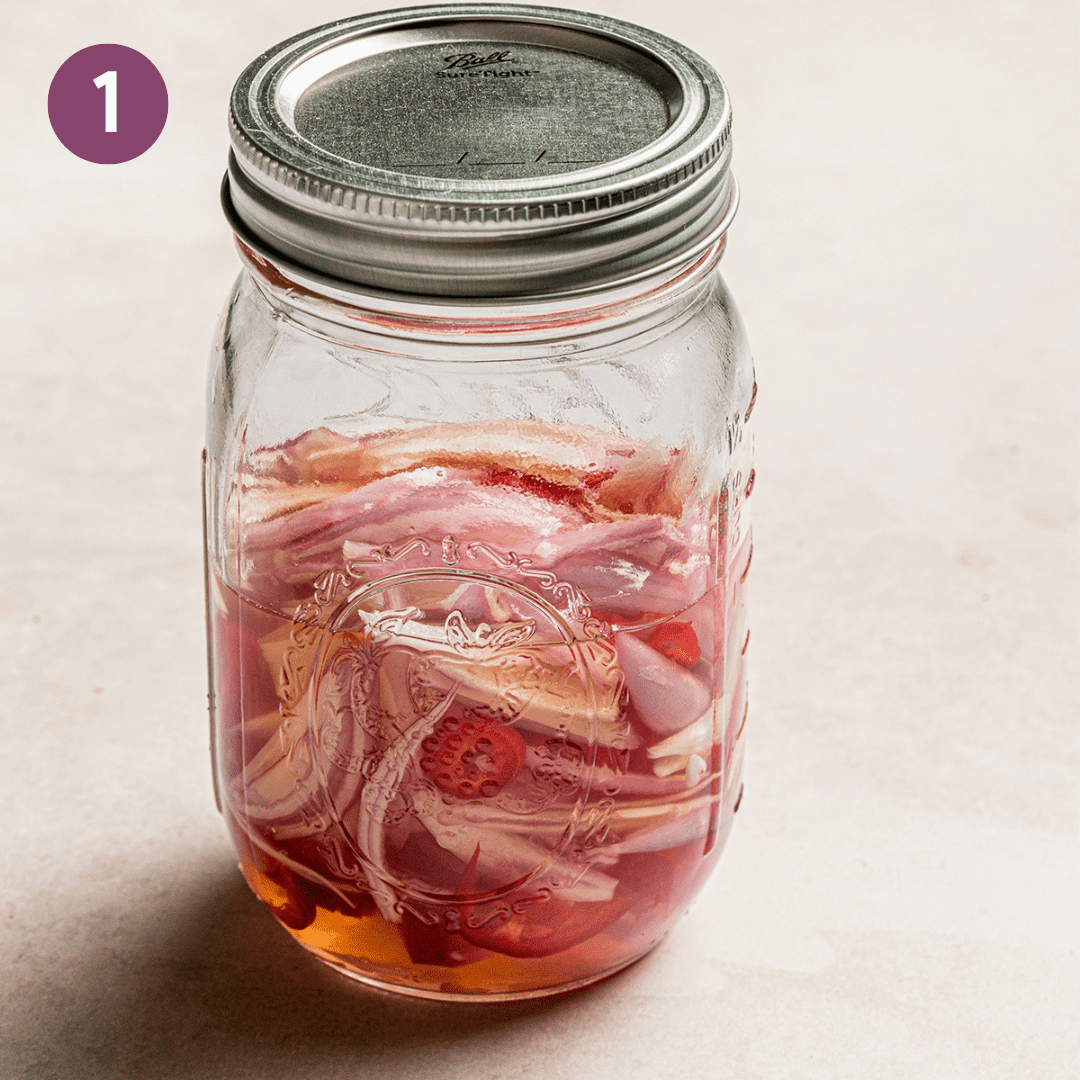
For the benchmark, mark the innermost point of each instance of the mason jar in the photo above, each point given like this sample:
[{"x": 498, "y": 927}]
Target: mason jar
[{"x": 477, "y": 471}]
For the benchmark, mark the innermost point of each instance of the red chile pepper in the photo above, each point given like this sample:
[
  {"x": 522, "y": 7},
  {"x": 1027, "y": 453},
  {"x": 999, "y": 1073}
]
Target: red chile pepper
[{"x": 677, "y": 641}]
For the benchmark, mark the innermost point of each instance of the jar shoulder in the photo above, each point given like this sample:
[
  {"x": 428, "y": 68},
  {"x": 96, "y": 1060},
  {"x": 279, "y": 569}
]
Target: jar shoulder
[
  {"x": 675, "y": 375},
  {"x": 243, "y": 342}
]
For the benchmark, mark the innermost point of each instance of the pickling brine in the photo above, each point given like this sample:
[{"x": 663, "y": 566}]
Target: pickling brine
[{"x": 478, "y": 693}]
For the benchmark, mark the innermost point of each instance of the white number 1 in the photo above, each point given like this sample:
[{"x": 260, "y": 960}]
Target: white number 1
[{"x": 108, "y": 80}]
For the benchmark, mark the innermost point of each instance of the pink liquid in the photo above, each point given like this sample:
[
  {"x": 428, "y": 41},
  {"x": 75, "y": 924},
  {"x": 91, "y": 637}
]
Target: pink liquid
[{"x": 457, "y": 752}]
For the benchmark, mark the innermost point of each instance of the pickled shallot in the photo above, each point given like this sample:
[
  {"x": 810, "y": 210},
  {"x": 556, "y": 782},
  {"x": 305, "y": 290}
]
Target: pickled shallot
[{"x": 476, "y": 694}]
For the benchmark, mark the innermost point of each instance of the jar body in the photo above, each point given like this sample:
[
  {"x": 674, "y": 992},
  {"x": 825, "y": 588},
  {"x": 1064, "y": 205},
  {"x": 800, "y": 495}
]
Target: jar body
[{"x": 476, "y": 599}]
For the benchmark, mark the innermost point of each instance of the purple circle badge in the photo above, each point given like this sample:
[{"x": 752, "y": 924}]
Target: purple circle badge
[{"x": 108, "y": 104}]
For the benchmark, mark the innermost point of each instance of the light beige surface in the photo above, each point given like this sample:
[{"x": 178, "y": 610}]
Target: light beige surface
[{"x": 899, "y": 899}]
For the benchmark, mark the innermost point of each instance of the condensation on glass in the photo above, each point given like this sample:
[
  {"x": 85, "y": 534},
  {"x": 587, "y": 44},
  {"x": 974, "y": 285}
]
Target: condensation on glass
[{"x": 477, "y": 471}]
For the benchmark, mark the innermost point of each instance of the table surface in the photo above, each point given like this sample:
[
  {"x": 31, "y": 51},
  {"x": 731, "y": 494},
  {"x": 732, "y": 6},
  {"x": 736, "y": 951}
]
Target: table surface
[{"x": 899, "y": 896}]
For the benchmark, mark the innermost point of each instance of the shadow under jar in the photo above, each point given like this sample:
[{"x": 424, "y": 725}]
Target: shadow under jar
[{"x": 476, "y": 478}]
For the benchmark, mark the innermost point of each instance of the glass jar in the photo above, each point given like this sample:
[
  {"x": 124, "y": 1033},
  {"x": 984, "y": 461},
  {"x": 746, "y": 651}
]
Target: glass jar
[{"x": 477, "y": 551}]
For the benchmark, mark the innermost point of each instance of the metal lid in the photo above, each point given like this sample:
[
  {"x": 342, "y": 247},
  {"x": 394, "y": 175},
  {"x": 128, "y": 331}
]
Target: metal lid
[{"x": 481, "y": 150}]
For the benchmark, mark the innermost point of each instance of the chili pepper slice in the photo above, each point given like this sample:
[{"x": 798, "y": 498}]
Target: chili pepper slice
[
  {"x": 677, "y": 641},
  {"x": 472, "y": 758}
]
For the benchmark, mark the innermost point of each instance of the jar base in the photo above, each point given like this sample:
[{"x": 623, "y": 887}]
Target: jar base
[{"x": 474, "y": 997}]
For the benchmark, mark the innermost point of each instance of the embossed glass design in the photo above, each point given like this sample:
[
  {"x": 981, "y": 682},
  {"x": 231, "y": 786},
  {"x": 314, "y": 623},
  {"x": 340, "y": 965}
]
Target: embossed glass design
[{"x": 476, "y": 591}]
